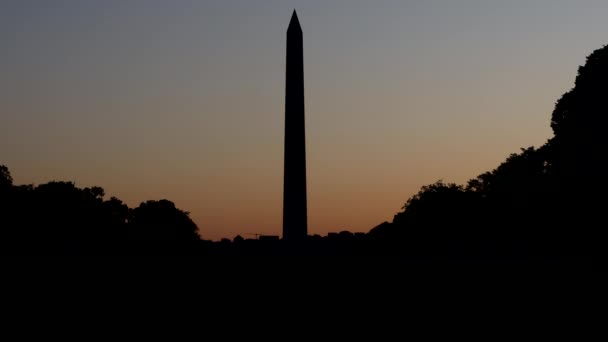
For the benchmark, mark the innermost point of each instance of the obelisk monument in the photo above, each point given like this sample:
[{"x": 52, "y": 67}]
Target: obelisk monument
[{"x": 295, "y": 226}]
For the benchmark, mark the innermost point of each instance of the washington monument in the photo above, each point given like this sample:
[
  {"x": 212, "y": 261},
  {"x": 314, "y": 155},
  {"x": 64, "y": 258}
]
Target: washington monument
[{"x": 295, "y": 226}]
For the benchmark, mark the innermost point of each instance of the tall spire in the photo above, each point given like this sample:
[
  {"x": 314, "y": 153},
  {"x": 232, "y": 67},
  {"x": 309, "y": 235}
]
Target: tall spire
[
  {"x": 294, "y": 23},
  {"x": 295, "y": 227}
]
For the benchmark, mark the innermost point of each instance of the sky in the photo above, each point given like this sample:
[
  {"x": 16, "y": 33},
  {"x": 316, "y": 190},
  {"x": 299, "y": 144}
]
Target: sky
[{"x": 184, "y": 99}]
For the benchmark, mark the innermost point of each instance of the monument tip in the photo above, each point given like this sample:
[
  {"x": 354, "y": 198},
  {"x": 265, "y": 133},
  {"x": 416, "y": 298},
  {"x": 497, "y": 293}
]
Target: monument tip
[{"x": 294, "y": 23}]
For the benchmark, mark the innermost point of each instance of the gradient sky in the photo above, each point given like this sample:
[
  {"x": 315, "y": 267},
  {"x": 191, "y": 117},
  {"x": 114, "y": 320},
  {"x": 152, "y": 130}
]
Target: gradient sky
[{"x": 184, "y": 100}]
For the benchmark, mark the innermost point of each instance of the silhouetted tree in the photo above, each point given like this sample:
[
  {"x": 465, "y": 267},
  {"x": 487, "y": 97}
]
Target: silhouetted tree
[
  {"x": 578, "y": 154},
  {"x": 161, "y": 227},
  {"x": 66, "y": 219},
  {"x": 579, "y": 150},
  {"x": 6, "y": 181},
  {"x": 7, "y": 233}
]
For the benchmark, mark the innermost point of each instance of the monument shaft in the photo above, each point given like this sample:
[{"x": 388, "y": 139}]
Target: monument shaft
[{"x": 295, "y": 225}]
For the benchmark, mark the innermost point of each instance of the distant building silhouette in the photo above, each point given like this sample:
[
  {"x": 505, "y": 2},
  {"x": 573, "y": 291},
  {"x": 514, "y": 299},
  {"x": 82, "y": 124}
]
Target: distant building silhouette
[{"x": 295, "y": 225}]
